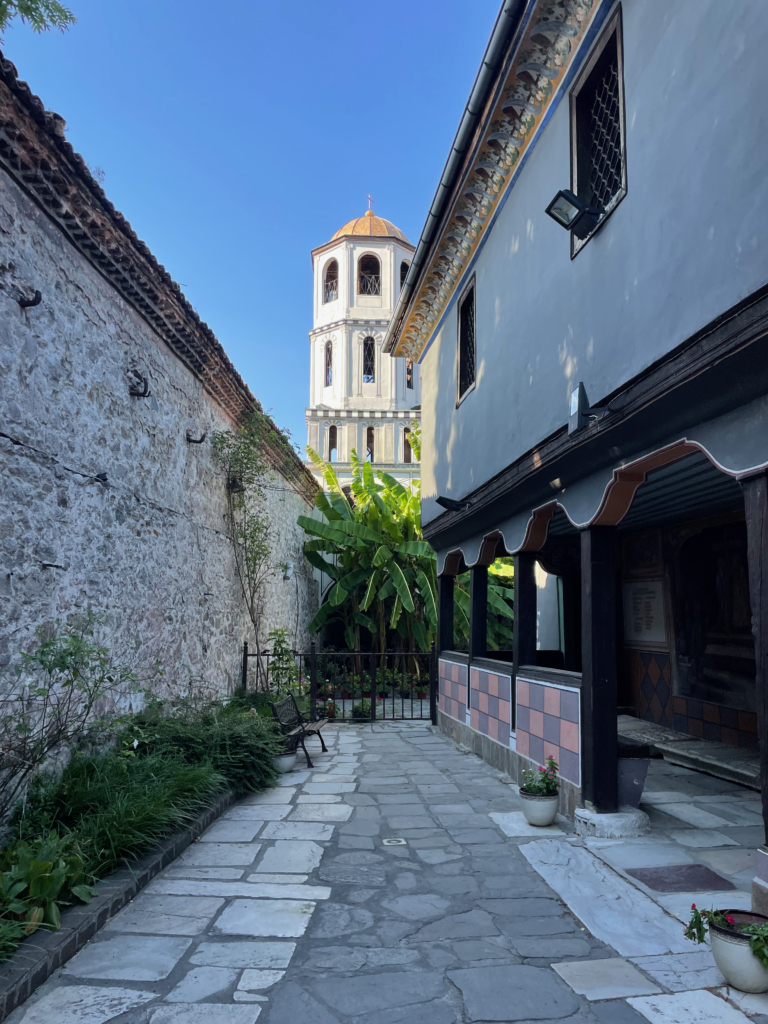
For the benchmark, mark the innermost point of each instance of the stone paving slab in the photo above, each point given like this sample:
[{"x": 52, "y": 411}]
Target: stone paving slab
[{"x": 294, "y": 907}]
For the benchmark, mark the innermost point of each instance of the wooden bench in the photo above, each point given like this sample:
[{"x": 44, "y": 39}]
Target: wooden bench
[{"x": 293, "y": 723}]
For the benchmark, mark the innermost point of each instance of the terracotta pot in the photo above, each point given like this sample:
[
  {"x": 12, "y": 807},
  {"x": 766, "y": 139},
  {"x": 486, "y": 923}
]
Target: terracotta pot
[
  {"x": 538, "y": 809},
  {"x": 735, "y": 960}
]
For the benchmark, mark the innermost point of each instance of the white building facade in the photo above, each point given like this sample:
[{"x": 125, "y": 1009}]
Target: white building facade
[{"x": 360, "y": 397}]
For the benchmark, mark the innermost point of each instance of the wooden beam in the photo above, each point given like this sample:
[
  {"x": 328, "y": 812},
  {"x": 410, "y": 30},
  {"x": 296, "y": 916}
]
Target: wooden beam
[
  {"x": 599, "y": 734},
  {"x": 756, "y": 510},
  {"x": 478, "y": 611},
  {"x": 525, "y": 610},
  {"x": 445, "y": 612}
]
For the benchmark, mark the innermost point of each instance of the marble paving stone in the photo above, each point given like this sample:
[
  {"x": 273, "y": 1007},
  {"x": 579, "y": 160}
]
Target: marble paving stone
[
  {"x": 250, "y": 890},
  {"x": 79, "y": 1004},
  {"x": 201, "y": 983},
  {"x": 441, "y": 789},
  {"x": 263, "y": 876},
  {"x": 614, "y": 978},
  {"x": 679, "y": 904},
  {"x": 296, "y": 778},
  {"x": 356, "y": 843},
  {"x": 417, "y": 908},
  {"x": 361, "y": 827},
  {"x": 681, "y": 878},
  {"x": 472, "y": 836},
  {"x": 750, "y": 1003},
  {"x": 699, "y": 1007},
  {"x": 291, "y": 1004},
  {"x": 219, "y": 854},
  {"x": 319, "y": 798},
  {"x": 471, "y": 925},
  {"x": 128, "y": 958},
  {"x": 176, "y": 906},
  {"x": 336, "y": 777},
  {"x": 361, "y": 868},
  {"x": 523, "y": 906},
  {"x": 366, "y": 994},
  {"x": 205, "y": 1013},
  {"x": 513, "y": 823},
  {"x": 457, "y": 808},
  {"x": 736, "y": 813},
  {"x": 516, "y": 993},
  {"x": 612, "y": 909},
  {"x": 731, "y": 862},
  {"x": 410, "y": 821},
  {"x": 615, "y": 1012},
  {"x": 550, "y": 947},
  {"x": 281, "y": 918},
  {"x": 702, "y": 838},
  {"x": 337, "y": 919},
  {"x": 281, "y": 795},
  {"x": 629, "y": 854},
  {"x": 257, "y": 812},
  {"x": 682, "y": 972},
  {"x": 480, "y": 949},
  {"x": 256, "y": 981},
  {"x": 156, "y": 924},
  {"x": 329, "y": 787},
  {"x": 398, "y": 799},
  {"x": 239, "y": 955},
  {"x": 437, "y": 856},
  {"x": 696, "y": 816},
  {"x": 233, "y": 831},
  {"x": 314, "y": 831},
  {"x": 671, "y": 796},
  {"x": 292, "y": 855},
  {"x": 321, "y": 812},
  {"x": 202, "y": 874}
]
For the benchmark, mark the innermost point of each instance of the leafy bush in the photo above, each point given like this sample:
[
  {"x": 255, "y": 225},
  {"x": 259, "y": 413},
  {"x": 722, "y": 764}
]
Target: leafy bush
[
  {"x": 36, "y": 877},
  {"x": 362, "y": 710}
]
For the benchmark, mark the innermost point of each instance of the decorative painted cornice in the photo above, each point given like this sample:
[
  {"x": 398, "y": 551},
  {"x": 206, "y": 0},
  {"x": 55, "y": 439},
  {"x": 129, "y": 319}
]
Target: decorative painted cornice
[{"x": 540, "y": 62}]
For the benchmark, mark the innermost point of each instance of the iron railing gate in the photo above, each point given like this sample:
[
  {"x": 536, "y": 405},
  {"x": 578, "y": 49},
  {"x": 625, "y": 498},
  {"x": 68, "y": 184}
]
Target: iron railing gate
[{"x": 354, "y": 686}]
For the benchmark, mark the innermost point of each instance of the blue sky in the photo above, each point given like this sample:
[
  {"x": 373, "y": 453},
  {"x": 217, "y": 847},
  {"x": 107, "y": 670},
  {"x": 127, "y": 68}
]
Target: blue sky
[{"x": 238, "y": 136}]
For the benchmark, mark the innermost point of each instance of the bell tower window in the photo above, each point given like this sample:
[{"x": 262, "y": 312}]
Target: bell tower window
[
  {"x": 369, "y": 361},
  {"x": 369, "y": 276},
  {"x": 409, "y": 374},
  {"x": 328, "y": 364},
  {"x": 407, "y": 454},
  {"x": 331, "y": 282},
  {"x": 370, "y": 436},
  {"x": 332, "y": 444},
  {"x": 403, "y": 273}
]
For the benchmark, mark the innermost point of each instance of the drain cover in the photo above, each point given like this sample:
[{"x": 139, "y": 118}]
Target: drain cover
[{"x": 395, "y": 842}]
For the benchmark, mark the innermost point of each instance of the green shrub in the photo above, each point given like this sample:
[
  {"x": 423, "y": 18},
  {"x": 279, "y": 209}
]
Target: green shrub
[
  {"x": 37, "y": 877},
  {"x": 362, "y": 710}
]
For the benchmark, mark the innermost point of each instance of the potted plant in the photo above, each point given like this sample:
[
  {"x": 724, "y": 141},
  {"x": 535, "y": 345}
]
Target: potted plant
[
  {"x": 362, "y": 710},
  {"x": 284, "y": 762},
  {"x": 540, "y": 793},
  {"x": 739, "y": 943}
]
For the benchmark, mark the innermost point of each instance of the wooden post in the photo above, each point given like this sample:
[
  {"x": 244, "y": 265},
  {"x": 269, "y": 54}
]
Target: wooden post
[
  {"x": 478, "y": 612},
  {"x": 445, "y": 613},
  {"x": 599, "y": 733},
  {"x": 756, "y": 510},
  {"x": 524, "y": 627}
]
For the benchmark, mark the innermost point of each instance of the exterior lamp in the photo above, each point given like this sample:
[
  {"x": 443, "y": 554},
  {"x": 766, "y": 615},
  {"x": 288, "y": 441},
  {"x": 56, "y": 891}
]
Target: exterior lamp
[
  {"x": 573, "y": 214},
  {"x": 288, "y": 571}
]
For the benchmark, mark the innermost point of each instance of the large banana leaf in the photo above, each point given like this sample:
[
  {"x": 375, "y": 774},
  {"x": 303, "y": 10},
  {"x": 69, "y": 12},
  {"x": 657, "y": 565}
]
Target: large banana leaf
[
  {"x": 370, "y": 592},
  {"x": 320, "y": 563},
  {"x": 384, "y": 554},
  {"x": 401, "y": 585},
  {"x": 428, "y": 596},
  {"x": 497, "y": 603}
]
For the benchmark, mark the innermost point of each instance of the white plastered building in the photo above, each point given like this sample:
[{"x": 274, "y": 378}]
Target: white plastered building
[{"x": 360, "y": 397}]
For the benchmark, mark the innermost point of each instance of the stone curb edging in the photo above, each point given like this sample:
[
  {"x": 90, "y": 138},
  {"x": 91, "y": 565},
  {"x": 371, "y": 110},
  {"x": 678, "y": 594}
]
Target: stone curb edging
[{"x": 40, "y": 955}]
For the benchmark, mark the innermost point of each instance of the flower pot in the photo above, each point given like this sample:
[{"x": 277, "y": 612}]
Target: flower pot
[
  {"x": 539, "y": 809},
  {"x": 735, "y": 960},
  {"x": 285, "y": 762}
]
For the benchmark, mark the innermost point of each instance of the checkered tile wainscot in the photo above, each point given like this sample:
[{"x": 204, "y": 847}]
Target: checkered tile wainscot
[
  {"x": 453, "y": 690},
  {"x": 490, "y": 704},
  {"x": 548, "y": 724}
]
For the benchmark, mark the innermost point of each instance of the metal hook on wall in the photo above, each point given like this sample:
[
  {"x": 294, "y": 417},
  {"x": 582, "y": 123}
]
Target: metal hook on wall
[
  {"x": 28, "y": 303},
  {"x": 140, "y": 387},
  {"x": 195, "y": 440}
]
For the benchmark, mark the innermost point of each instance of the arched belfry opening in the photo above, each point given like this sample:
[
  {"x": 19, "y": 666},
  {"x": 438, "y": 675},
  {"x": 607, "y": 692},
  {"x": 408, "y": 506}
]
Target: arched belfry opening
[
  {"x": 328, "y": 364},
  {"x": 369, "y": 275},
  {"x": 331, "y": 282},
  {"x": 404, "y": 266},
  {"x": 333, "y": 447},
  {"x": 369, "y": 361}
]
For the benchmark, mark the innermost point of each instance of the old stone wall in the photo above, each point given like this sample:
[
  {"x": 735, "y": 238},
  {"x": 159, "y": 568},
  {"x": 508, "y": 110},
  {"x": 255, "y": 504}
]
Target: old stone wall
[{"x": 104, "y": 503}]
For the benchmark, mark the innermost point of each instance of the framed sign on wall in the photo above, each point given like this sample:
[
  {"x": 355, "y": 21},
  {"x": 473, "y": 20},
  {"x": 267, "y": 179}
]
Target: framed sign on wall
[{"x": 644, "y": 622}]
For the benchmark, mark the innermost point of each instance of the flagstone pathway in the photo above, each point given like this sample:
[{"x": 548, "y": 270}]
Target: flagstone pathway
[{"x": 396, "y": 883}]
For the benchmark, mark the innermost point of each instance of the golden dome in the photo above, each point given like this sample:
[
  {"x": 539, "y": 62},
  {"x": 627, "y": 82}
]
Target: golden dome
[{"x": 370, "y": 224}]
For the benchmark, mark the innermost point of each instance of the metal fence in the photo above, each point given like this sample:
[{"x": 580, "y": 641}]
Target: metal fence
[{"x": 350, "y": 686}]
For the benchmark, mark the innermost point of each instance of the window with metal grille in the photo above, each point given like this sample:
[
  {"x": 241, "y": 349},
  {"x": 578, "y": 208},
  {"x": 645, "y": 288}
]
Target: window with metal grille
[
  {"x": 369, "y": 276},
  {"x": 331, "y": 282},
  {"x": 332, "y": 444},
  {"x": 369, "y": 361},
  {"x": 407, "y": 455},
  {"x": 466, "y": 342},
  {"x": 328, "y": 364},
  {"x": 409, "y": 374},
  {"x": 403, "y": 273},
  {"x": 370, "y": 435},
  {"x": 599, "y": 174}
]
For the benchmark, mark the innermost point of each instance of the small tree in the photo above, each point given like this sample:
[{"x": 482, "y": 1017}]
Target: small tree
[
  {"x": 40, "y": 14},
  {"x": 242, "y": 455}
]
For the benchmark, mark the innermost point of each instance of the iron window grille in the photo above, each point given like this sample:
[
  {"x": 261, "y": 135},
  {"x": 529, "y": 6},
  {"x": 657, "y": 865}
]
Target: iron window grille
[
  {"x": 369, "y": 276},
  {"x": 369, "y": 444},
  {"x": 598, "y": 144},
  {"x": 407, "y": 453},
  {"x": 369, "y": 361},
  {"x": 466, "y": 342},
  {"x": 409, "y": 374},
  {"x": 331, "y": 283},
  {"x": 332, "y": 444},
  {"x": 328, "y": 364}
]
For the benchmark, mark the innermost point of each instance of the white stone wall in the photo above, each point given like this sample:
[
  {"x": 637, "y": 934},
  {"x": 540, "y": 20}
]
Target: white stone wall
[{"x": 104, "y": 503}]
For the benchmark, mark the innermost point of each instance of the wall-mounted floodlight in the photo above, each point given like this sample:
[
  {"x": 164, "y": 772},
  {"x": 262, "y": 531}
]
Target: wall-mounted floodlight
[
  {"x": 581, "y": 412},
  {"x": 451, "y": 504},
  {"x": 573, "y": 214},
  {"x": 288, "y": 571}
]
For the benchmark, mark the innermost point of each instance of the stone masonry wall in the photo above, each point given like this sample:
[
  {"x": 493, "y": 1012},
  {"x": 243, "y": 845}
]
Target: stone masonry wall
[{"x": 104, "y": 503}]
